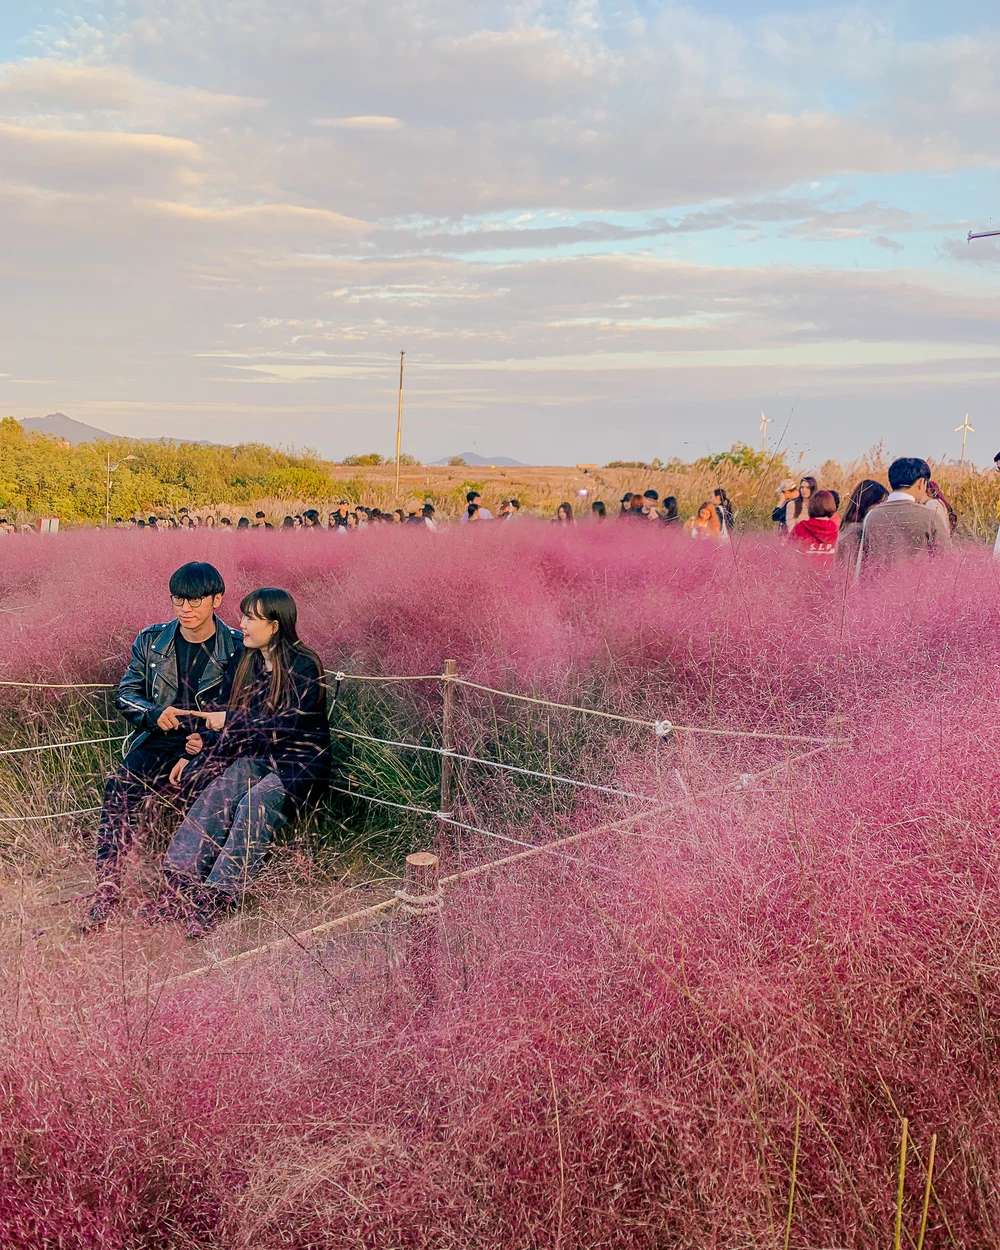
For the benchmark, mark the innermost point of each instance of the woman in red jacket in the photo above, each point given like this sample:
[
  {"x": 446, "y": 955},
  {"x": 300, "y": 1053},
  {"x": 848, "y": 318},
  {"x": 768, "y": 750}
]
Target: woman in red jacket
[{"x": 816, "y": 534}]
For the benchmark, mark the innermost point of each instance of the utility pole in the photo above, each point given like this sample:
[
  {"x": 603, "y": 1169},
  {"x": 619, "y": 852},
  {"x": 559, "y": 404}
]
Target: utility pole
[
  {"x": 966, "y": 429},
  {"x": 399, "y": 420},
  {"x": 107, "y": 494}
]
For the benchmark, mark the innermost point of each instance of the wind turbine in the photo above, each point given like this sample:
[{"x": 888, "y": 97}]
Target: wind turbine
[
  {"x": 764, "y": 423},
  {"x": 966, "y": 429}
]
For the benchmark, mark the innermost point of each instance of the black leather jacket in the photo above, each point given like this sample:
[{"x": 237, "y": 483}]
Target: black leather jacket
[{"x": 150, "y": 681}]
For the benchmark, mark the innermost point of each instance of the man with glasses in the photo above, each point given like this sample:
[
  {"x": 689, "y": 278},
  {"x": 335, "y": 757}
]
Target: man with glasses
[{"x": 174, "y": 679}]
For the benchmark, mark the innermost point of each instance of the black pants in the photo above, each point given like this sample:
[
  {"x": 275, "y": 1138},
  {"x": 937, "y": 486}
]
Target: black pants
[{"x": 143, "y": 772}]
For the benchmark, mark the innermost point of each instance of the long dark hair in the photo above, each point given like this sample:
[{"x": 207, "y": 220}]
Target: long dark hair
[
  {"x": 863, "y": 498},
  {"x": 272, "y": 604},
  {"x": 935, "y": 492},
  {"x": 798, "y": 501}
]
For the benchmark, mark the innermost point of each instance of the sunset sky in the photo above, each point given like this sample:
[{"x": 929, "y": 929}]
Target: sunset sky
[{"x": 598, "y": 229}]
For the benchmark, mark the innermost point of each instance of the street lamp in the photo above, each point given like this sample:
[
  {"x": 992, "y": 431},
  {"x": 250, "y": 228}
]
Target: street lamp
[{"x": 107, "y": 497}]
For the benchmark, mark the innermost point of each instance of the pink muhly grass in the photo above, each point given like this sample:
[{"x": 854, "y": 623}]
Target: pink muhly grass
[{"x": 822, "y": 942}]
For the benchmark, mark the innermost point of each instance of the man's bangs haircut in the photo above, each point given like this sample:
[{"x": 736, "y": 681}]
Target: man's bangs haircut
[
  {"x": 907, "y": 471},
  {"x": 197, "y": 580}
]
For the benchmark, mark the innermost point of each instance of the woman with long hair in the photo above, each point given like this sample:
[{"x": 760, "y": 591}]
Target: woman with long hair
[
  {"x": 564, "y": 515},
  {"x": 705, "y": 524},
  {"x": 797, "y": 509},
  {"x": 669, "y": 515},
  {"x": 724, "y": 507},
  {"x": 598, "y": 510},
  {"x": 866, "y": 495},
  {"x": 937, "y": 500},
  {"x": 270, "y": 762}
]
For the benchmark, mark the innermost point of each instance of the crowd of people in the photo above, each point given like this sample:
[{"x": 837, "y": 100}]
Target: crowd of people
[
  {"x": 880, "y": 524},
  {"x": 808, "y": 516}
]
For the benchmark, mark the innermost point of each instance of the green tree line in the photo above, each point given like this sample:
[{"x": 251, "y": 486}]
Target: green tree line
[{"x": 41, "y": 475}]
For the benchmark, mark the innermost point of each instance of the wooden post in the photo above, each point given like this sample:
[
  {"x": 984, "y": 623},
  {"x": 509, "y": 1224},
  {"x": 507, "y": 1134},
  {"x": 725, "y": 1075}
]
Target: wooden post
[
  {"x": 421, "y": 894},
  {"x": 418, "y": 949},
  {"x": 448, "y": 736},
  {"x": 399, "y": 422}
]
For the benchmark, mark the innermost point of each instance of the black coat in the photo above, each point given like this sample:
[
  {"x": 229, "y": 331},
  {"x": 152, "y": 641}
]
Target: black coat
[
  {"x": 293, "y": 740},
  {"x": 150, "y": 681}
]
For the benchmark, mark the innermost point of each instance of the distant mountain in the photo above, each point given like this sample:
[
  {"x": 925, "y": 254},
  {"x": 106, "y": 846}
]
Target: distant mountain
[
  {"x": 472, "y": 459},
  {"x": 58, "y": 425}
]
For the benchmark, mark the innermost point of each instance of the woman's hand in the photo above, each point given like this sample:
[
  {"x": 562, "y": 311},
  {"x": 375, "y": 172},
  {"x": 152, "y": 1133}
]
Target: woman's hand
[
  {"x": 216, "y": 721},
  {"x": 194, "y": 744},
  {"x": 176, "y": 771}
]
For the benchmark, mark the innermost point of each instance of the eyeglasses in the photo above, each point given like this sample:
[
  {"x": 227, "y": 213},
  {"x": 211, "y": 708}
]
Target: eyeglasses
[{"x": 192, "y": 603}]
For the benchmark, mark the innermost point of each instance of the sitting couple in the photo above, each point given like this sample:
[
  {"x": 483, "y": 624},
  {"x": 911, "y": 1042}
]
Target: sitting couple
[{"x": 231, "y": 730}]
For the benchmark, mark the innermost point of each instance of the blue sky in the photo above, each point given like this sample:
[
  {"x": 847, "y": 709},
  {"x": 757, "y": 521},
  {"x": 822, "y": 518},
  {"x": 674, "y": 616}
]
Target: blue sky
[{"x": 600, "y": 229}]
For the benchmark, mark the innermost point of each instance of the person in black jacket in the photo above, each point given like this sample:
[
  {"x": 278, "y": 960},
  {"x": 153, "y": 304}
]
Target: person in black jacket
[
  {"x": 271, "y": 763},
  {"x": 176, "y": 672}
]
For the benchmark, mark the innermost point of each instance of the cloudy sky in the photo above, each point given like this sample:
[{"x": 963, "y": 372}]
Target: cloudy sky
[{"x": 599, "y": 228}]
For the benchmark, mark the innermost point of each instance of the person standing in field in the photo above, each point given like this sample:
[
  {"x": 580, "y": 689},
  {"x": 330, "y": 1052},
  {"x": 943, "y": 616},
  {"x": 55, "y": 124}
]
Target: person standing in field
[
  {"x": 669, "y": 515},
  {"x": 174, "y": 678},
  {"x": 724, "y": 507},
  {"x": 866, "y": 495},
  {"x": 787, "y": 491},
  {"x": 564, "y": 515},
  {"x": 705, "y": 524},
  {"x": 902, "y": 527},
  {"x": 271, "y": 763},
  {"x": 481, "y": 513},
  {"x": 816, "y": 535},
  {"x": 797, "y": 509},
  {"x": 936, "y": 499},
  {"x": 598, "y": 511}
]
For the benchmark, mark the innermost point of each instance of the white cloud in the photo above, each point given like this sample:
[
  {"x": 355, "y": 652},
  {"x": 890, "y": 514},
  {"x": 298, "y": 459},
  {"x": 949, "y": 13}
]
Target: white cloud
[
  {"x": 358, "y": 123},
  {"x": 285, "y": 196}
]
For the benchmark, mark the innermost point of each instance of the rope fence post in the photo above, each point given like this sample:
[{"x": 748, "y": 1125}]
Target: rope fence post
[
  {"x": 448, "y": 737},
  {"x": 419, "y": 905}
]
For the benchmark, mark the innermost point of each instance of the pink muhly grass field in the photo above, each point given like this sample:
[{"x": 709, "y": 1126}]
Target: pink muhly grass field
[{"x": 618, "y": 1042}]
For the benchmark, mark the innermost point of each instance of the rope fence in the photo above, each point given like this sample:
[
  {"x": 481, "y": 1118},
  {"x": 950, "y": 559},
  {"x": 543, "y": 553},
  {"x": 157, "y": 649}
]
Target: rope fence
[
  {"x": 56, "y": 746},
  {"x": 77, "y": 811},
  {"x": 510, "y": 768},
  {"x": 363, "y": 914},
  {"x": 662, "y": 728}
]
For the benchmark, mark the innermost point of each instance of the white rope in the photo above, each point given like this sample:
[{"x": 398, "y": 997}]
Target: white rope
[
  {"x": 339, "y": 676},
  {"x": 660, "y": 727},
  {"x": 510, "y": 768},
  {"x": 77, "y": 811},
  {"x": 447, "y": 819},
  {"x": 55, "y": 746},
  {"x": 50, "y": 685}
]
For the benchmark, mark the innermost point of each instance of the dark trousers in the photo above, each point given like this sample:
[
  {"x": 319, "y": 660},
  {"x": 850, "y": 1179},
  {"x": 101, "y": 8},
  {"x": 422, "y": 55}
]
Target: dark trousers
[
  {"x": 145, "y": 771},
  {"x": 224, "y": 836}
]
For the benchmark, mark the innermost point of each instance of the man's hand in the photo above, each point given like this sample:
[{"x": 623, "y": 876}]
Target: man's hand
[
  {"x": 167, "y": 719},
  {"x": 194, "y": 744}
]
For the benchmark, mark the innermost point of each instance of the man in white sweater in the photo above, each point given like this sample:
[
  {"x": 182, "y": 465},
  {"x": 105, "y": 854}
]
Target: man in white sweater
[{"x": 902, "y": 527}]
